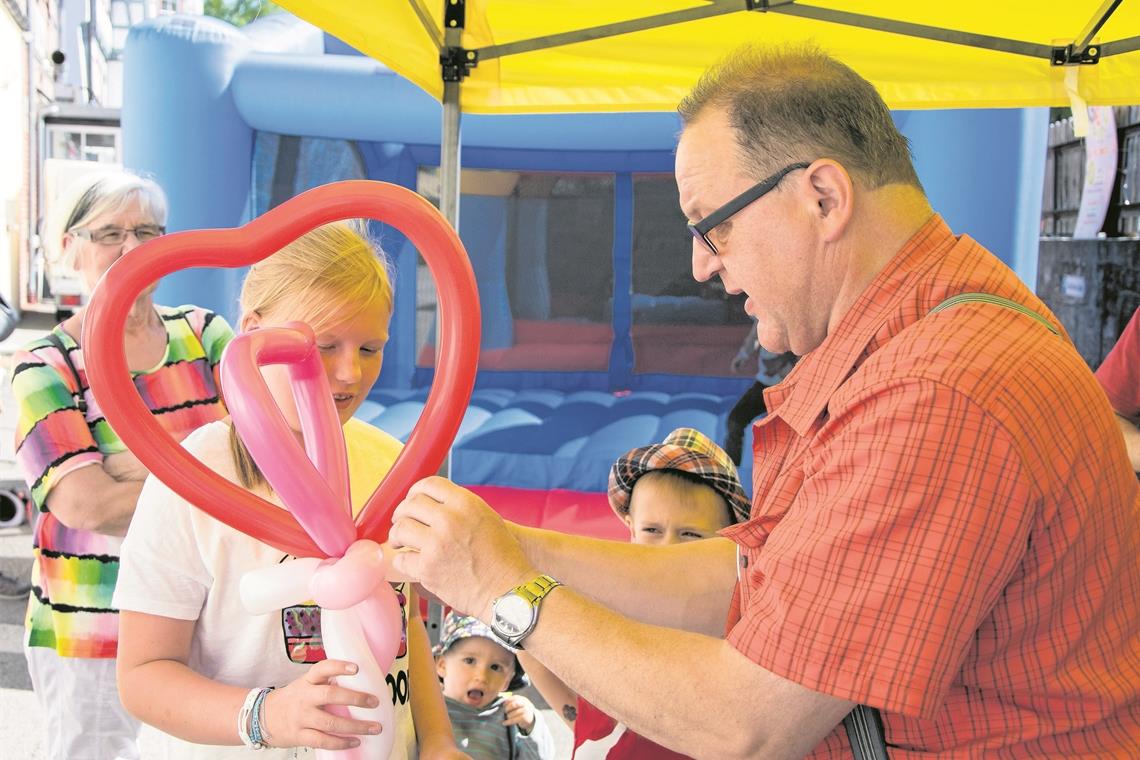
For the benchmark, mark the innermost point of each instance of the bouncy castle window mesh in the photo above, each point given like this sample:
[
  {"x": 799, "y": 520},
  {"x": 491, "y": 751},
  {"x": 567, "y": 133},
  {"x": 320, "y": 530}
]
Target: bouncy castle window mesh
[
  {"x": 680, "y": 326},
  {"x": 541, "y": 245}
]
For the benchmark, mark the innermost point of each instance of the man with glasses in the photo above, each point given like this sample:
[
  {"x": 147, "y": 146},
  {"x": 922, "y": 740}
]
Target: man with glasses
[{"x": 945, "y": 523}]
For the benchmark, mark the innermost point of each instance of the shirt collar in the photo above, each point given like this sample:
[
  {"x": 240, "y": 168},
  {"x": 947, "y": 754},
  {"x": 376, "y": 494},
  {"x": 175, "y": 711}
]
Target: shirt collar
[{"x": 804, "y": 395}]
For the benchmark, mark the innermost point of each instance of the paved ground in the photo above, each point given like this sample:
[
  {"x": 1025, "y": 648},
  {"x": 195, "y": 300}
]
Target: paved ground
[{"x": 21, "y": 723}]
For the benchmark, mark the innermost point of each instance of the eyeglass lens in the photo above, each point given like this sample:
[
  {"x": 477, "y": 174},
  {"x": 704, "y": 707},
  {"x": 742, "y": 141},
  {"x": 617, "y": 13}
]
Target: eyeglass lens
[{"x": 116, "y": 235}]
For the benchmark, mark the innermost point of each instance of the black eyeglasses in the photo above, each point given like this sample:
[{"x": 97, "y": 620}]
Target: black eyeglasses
[
  {"x": 118, "y": 235},
  {"x": 702, "y": 228}
]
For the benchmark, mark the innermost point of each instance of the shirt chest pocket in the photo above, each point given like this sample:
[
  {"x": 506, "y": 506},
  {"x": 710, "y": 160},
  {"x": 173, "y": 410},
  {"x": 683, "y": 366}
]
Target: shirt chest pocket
[{"x": 777, "y": 485}]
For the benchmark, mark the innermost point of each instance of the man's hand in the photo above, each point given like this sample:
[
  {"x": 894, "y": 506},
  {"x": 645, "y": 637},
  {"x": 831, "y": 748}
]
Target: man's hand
[{"x": 456, "y": 546}]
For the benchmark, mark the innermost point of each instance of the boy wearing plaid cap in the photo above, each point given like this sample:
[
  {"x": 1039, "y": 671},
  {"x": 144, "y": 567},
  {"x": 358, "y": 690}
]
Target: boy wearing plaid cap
[
  {"x": 478, "y": 672},
  {"x": 685, "y": 488}
]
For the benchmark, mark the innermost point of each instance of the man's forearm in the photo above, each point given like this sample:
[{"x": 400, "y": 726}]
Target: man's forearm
[
  {"x": 688, "y": 586},
  {"x": 1131, "y": 440},
  {"x": 672, "y": 686}
]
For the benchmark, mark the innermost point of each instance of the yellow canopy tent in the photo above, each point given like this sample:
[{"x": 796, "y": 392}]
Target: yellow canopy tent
[
  {"x": 643, "y": 55},
  {"x": 524, "y": 56}
]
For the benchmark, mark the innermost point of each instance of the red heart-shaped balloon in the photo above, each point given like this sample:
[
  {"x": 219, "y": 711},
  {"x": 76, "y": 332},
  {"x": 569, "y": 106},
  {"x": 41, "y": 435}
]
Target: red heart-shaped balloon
[{"x": 111, "y": 382}]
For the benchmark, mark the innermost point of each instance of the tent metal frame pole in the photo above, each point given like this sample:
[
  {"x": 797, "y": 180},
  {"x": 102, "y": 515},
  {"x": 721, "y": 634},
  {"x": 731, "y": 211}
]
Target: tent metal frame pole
[
  {"x": 791, "y": 8},
  {"x": 921, "y": 31},
  {"x": 707, "y": 10},
  {"x": 449, "y": 154},
  {"x": 1119, "y": 47},
  {"x": 1098, "y": 19},
  {"x": 450, "y": 146},
  {"x": 424, "y": 15}
]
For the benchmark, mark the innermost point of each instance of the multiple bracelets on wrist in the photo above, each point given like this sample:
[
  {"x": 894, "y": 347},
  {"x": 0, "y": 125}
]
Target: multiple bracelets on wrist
[{"x": 251, "y": 719}]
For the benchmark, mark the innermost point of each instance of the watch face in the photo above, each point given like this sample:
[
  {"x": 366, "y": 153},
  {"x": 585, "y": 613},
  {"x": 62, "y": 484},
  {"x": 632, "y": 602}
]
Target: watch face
[{"x": 512, "y": 615}]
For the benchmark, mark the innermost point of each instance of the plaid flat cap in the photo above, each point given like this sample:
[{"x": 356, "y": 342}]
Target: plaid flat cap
[{"x": 687, "y": 450}]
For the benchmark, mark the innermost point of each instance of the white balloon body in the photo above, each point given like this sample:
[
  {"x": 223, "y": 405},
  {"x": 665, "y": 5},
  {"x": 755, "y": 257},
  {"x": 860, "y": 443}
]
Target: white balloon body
[{"x": 270, "y": 589}]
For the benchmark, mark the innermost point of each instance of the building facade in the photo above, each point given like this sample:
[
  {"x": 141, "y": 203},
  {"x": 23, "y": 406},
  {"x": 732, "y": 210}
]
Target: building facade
[{"x": 60, "y": 92}]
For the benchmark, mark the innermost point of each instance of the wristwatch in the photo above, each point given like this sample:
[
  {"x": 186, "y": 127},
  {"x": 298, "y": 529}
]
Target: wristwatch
[{"x": 515, "y": 613}]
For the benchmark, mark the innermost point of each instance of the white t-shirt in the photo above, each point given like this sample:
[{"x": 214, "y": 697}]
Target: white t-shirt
[{"x": 179, "y": 562}]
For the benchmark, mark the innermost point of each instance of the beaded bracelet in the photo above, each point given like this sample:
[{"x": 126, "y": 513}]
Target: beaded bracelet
[
  {"x": 249, "y": 723},
  {"x": 257, "y": 733}
]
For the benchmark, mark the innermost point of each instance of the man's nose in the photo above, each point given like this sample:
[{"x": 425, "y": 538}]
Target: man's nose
[{"x": 705, "y": 263}]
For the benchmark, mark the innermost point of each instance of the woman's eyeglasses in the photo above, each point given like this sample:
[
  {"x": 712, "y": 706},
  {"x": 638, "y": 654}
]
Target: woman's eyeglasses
[{"x": 118, "y": 235}]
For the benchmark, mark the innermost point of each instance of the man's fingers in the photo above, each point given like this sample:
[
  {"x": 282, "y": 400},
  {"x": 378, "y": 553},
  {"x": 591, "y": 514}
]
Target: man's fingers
[
  {"x": 434, "y": 487},
  {"x": 406, "y": 564},
  {"x": 418, "y": 507},
  {"x": 407, "y": 533},
  {"x": 391, "y": 573}
]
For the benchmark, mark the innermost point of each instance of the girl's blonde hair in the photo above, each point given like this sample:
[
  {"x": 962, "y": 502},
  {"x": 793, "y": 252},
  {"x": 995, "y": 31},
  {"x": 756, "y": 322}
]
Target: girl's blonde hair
[
  {"x": 324, "y": 277},
  {"x": 93, "y": 195}
]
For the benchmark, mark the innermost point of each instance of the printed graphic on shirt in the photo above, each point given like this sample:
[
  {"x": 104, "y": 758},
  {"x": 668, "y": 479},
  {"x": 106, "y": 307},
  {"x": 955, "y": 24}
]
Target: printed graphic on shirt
[{"x": 301, "y": 627}]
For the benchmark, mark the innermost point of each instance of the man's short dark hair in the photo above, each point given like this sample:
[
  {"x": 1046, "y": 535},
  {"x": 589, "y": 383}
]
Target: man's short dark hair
[{"x": 796, "y": 103}]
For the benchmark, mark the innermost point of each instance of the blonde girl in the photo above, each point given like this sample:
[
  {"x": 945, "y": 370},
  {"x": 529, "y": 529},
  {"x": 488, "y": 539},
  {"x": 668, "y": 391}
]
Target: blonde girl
[{"x": 190, "y": 655}]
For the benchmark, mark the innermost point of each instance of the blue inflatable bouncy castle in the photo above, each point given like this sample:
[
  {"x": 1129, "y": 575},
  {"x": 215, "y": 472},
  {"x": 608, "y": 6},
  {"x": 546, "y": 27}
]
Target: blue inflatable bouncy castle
[{"x": 595, "y": 337}]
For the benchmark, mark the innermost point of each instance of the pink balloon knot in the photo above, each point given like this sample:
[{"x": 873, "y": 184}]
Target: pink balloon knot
[{"x": 338, "y": 584}]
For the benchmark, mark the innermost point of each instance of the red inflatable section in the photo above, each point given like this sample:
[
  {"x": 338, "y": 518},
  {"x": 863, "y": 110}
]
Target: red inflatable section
[{"x": 581, "y": 513}]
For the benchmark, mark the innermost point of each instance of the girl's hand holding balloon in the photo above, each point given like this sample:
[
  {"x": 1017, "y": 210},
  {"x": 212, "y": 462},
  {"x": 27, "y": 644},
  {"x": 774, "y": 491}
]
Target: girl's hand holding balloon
[{"x": 296, "y": 715}]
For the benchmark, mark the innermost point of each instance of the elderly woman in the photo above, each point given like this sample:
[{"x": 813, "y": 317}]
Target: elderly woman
[{"x": 80, "y": 475}]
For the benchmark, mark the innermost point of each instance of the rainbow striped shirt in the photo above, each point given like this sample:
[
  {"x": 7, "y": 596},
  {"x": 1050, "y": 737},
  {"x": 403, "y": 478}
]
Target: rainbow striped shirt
[{"x": 74, "y": 571}]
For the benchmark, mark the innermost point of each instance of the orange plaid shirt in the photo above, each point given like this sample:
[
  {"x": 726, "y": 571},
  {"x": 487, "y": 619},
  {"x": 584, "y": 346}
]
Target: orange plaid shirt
[{"x": 946, "y": 526}]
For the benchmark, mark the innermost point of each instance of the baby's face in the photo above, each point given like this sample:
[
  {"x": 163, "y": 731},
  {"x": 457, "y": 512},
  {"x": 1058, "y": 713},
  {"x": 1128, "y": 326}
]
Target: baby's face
[
  {"x": 475, "y": 670},
  {"x": 666, "y": 511}
]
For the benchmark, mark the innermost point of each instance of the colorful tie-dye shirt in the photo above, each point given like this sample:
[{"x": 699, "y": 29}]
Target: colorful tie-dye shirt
[{"x": 74, "y": 572}]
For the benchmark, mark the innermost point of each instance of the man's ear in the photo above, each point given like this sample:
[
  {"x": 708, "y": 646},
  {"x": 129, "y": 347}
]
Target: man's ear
[
  {"x": 833, "y": 193},
  {"x": 250, "y": 321}
]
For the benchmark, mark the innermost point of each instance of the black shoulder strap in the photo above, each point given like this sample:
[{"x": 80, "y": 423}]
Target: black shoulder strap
[
  {"x": 80, "y": 398},
  {"x": 864, "y": 724},
  {"x": 865, "y": 732}
]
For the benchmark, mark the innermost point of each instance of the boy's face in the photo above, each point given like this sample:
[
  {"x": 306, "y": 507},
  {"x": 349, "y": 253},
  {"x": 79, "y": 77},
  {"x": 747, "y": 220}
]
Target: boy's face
[
  {"x": 664, "y": 510},
  {"x": 475, "y": 670}
]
